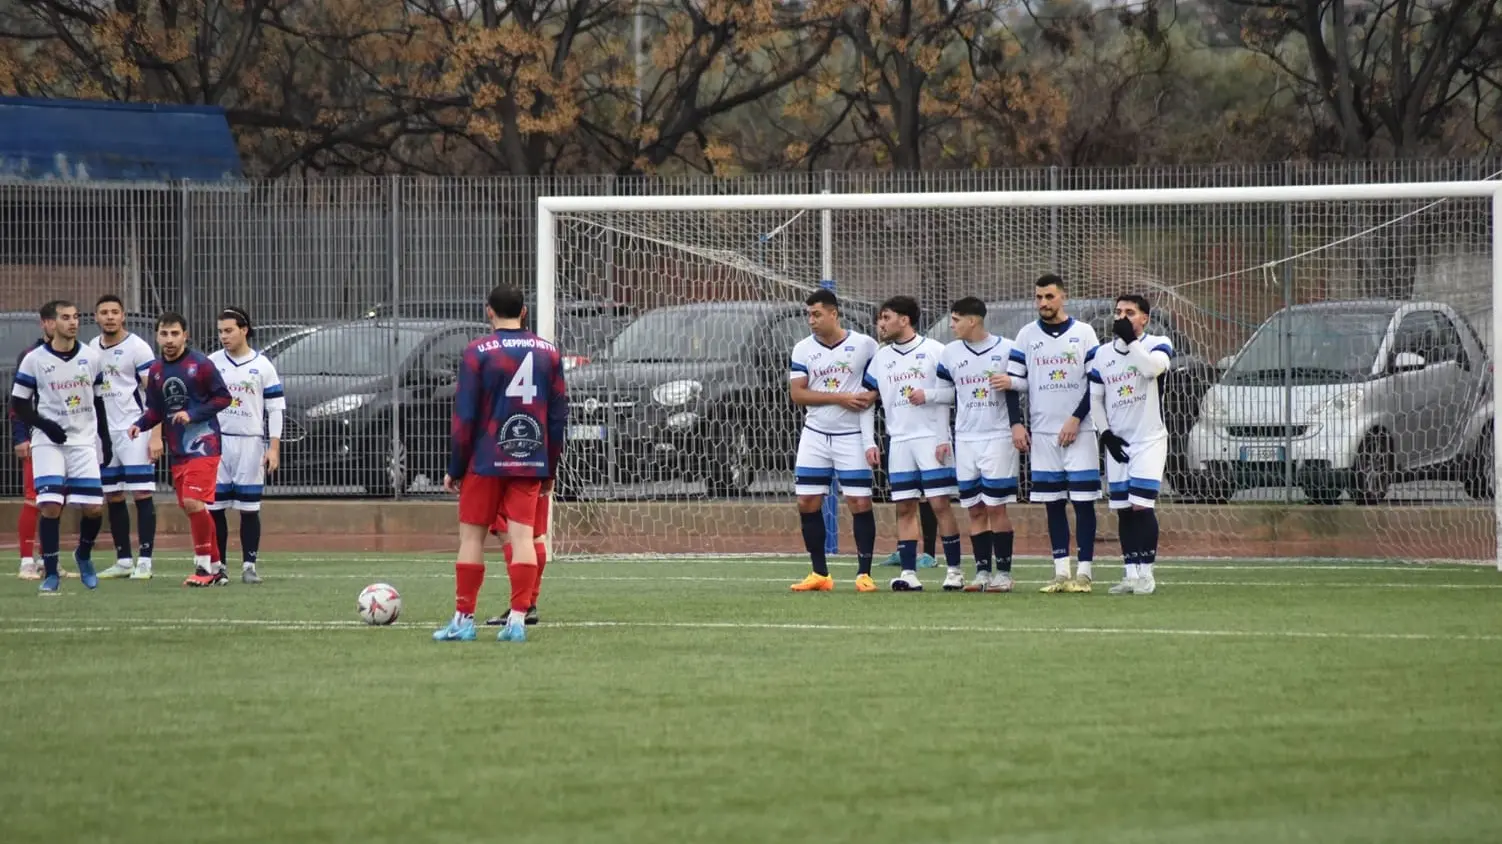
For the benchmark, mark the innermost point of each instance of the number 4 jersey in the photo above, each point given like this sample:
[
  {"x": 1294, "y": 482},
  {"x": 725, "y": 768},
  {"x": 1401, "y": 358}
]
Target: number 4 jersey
[{"x": 511, "y": 408}]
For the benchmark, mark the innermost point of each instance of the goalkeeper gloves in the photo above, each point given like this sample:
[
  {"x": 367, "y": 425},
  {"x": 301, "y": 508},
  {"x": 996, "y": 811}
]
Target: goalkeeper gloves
[
  {"x": 1123, "y": 330},
  {"x": 53, "y": 431},
  {"x": 1115, "y": 445}
]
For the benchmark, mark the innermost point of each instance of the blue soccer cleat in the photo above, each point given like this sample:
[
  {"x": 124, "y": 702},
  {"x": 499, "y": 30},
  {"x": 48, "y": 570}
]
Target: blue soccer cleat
[
  {"x": 49, "y": 585},
  {"x": 456, "y": 631},
  {"x": 512, "y": 632},
  {"x": 86, "y": 573}
]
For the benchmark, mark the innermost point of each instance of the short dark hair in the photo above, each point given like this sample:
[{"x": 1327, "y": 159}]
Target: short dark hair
[
  {"x": 823, "y": 296},
  {"x": 969, "y": 306},
  {"x": 48, "y": 310},
  {"x": 1136, "y": 299},
  {"x": 507, "y": 302},
  {"x": 107, "y": 299},
  {"x": 172, "y": 318},
  {"x": 902, "y": 306},
  {"x": 1050, "y": 280},
  {"x": 59, "y": 304},
  {"x": 241, "y": 318}
]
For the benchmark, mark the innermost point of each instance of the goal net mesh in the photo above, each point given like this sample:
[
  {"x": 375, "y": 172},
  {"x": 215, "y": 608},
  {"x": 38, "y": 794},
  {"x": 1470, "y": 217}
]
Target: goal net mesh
[{"x": 1331, "y": 395}]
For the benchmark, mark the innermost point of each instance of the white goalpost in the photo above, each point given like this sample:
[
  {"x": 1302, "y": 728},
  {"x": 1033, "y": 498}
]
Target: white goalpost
[{"x": 1336, "y": 398}]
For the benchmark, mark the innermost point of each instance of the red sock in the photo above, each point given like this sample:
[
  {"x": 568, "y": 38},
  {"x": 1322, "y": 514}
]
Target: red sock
[
  {"x": 28, "y": 529},
  {"x": 523, "y": 579},
  {"x": 542, "y": 565},
  {"x": 205, "y": 540},
  {"x": 467, "y": 580}
]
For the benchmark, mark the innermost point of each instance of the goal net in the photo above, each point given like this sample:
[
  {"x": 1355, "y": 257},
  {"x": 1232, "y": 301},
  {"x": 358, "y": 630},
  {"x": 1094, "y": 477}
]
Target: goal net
[{"x": 1331, "y": 395}]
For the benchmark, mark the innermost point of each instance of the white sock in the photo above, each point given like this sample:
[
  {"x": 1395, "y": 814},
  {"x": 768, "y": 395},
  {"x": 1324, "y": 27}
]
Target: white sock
[
  {"x": 462, "y": 618},
  {"x": 517, "y": 617},
  {"x": 1131, "y": 570},
  {"x": 201, "y": 563},
  {"x": 1060, "y": 566},
  {"x": 1084, "y": 569},
  {"x": 248, "y": 566},
  {"x": 1147, "y": 570},
  {"x": 124, "y": 562},
  {"x": 144, "y": 563},
  {"x": 960, "y": 570},
  {"x": 28, "y": 562}
]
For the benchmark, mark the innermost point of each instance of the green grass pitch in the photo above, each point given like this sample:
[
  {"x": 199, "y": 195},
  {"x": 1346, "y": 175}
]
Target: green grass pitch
[{"x": 699, "y": 700}]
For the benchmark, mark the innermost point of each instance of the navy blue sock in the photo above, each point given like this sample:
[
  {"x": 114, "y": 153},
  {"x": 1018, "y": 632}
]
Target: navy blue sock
[
  {"x": 907, "y": 552},
  {"x": 88, "y": 531},
  {"x": 1084, "y": 529},
  {"x": 49, "y": 536},
  {"x": 813, "y": 540},
  {"x": 1126, "y": 526},
  {"x": 1058, "y": 528},
  {"x": 221, "y": 531},
  {"x": 1001, "y": 548},
  {"x": 954, "y": 556},
  {"x": 146, "y": 524},
  {"x": 120, "y": 529},
  {"x": 1147, "y": 532},
  {"x": 981, "y": 542},
  {"x": 250, "y": 535},
  {"x": 865, "y": 539},
  {"x": 930, "y": 525}
]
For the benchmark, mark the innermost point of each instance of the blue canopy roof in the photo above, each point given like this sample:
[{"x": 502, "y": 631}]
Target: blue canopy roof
[{"x": 76, "y": 140}]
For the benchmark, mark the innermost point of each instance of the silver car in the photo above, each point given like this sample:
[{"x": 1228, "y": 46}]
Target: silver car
[{"x": 1350, "y": 396}]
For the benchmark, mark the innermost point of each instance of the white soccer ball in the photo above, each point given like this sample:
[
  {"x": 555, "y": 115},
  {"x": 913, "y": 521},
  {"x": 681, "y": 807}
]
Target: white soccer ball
[{"x": 379, "y": 603}]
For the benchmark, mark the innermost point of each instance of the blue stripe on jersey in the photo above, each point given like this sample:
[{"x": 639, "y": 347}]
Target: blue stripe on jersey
[
  {"x": 1090, "y": 355},
  {"x": 1095, "y": 376},
  {"x": 798, "y": 367},
  {"x": 868, "y": 382},
  {"x": 26, "y": 380},
  {"x": 273, "y": 392},
  {"x": 143, "y": 367},
  {"x": 1017, "y": 355},
  {"x": 943, "y": 373},
  {"x": 1164, "y": 348}
]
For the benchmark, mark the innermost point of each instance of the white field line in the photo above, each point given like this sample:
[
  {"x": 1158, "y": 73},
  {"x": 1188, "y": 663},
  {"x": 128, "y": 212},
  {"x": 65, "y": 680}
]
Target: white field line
[{"x": 95, "y": 625}]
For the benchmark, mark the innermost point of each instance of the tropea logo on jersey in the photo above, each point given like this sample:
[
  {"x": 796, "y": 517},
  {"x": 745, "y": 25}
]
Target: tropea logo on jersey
[
  {"x": 521, "y": 437},
  {"x": 174, "y": 394}
]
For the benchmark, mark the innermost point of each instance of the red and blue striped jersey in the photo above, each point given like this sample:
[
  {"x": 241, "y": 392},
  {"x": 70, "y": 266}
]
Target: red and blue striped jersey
[
  {"x": 511, "y": 408},
  {"x": 191, "y": 383}
]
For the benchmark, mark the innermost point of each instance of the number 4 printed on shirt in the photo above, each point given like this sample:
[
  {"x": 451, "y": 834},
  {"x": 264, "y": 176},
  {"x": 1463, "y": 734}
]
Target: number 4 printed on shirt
[{"x": 521, "y": 386}]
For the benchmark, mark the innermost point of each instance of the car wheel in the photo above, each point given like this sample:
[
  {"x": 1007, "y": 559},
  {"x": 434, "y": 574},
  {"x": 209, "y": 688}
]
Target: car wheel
[
  {"x": 389, "y": 475},
  {"x": 1322, "y": 495},
  {"x": 1372, "y": 476},
  {"x": 1479, "y": 472},
  {"x": 728, "y": 470}
]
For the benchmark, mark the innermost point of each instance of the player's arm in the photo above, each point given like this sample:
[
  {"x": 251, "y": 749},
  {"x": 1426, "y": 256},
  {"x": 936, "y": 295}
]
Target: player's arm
[
  {"x": 215, "y": 392},
  {"x": 557, "y": 418},
  {"x": 143, "y": 375},
  {"x": 24, "y": 407},
  {"x": 1150, "y": 362},
  {"x": 943, "y": 393},
  {"x": 468, "y": 395},
  {"x": 274, "y": 399},
  {"x": 156, "y": 409},
  {"x": 1097, "y": 396}
]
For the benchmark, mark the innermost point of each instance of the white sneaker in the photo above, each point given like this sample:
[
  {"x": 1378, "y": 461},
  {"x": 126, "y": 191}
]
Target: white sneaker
[
  {"x": 1146, "y": 586},
  {"x": 982, "y": 579},
  {"x": 1000, "y": 582},
  {"x": 121, "y": 568},
  {"x": 954, "y": 580},
  {"x": 142, "y": 571},
  {"x": 1127, "y": 586},
  {"x": 907, "y": 582}
]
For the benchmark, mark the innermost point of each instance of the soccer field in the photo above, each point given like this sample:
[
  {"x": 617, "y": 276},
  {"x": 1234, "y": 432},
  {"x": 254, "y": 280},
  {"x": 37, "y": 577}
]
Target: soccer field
[{"x": 699, "y": 700}]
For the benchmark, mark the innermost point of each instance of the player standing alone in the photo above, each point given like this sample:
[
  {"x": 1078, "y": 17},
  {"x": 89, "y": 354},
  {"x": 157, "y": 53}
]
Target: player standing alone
[
  {"x": 124, "y": 358},
  {"x": 184, "y": 393},
  {"x": 507, "y": 433},
  {"x": 828, "y": 376},
  {"x": 987, "y": 425},
  {"x": 254, "y": 416},
  {"x": 68, "y": 437},
  {"x": 1056, "y": 351},
  {"x": 914, "y": 388},
  {"x": 1126, "y": 383}
]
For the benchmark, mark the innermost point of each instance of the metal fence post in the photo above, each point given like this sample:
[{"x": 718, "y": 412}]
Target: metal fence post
[{"x": 400, "y": 460}]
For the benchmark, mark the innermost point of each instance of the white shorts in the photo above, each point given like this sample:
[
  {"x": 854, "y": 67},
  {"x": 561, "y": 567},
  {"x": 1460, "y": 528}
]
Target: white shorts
[
  {"x": 242, "y": 475},
  {"x": 1071, "y": 473},
  {"x": 1137, "y": 482},
  {"x": 826, "y": 457},
  {"x": 66, "y": 474},
  {"x": 915, "y": 471},
  {"x": 986, "y": 471},
  {"x": 130, "y": 468}
]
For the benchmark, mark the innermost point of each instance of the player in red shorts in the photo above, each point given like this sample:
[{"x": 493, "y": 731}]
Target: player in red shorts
[
  {"x": 507, "y": 433},
  {"x": 539, "y": 545},
  {"x": 185, "y": 392}
]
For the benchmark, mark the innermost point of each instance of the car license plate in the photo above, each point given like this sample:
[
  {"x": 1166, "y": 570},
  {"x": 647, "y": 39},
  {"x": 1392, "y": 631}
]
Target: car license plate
[
  {"x": 586, "y": 432},
  {"x": 1262, "y": 454}
]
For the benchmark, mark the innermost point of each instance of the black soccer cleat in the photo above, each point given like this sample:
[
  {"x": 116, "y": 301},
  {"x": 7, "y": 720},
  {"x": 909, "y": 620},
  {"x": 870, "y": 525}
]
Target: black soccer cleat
[{"x": 500, "y": 620}]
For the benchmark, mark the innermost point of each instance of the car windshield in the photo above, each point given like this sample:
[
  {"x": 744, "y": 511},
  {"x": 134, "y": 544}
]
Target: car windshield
[
  {"x": 1005, "y": 321},
  {"x": 679, "y": 335},
  {"x": 1322, "y": 347},
  {"x": 363, "y": 350}
]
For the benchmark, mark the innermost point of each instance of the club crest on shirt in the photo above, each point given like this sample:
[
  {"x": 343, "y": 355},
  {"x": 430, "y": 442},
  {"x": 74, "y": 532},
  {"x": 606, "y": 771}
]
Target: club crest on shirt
[{"x": 520, "y": 437}]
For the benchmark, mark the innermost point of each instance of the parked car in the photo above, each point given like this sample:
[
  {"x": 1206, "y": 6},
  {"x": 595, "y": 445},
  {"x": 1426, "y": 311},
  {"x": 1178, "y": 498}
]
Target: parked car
[
  {"x": 1188, "y": 380},
  {"x": 697, "y": 391},
  {"x": 585, "y": 327},
  {"x": 1353, "y": 396}
]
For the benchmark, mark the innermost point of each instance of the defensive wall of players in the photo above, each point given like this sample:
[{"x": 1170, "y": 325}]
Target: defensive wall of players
[{"x": 751, "y": 527}]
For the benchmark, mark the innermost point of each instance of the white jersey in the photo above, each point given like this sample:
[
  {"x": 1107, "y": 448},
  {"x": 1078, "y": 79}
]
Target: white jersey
[
  {"x": 1054, "y": 362},
  {"x": 840, "y": 368},
  {"x": 980, "y": 412},
  {"x": 255, "y": 390},
  {"x": 900, "y": 368},
  {"x": 64, "y": 386},
  {"x": 123, "y": 365},
  {"x": 1132, "y": 382}
]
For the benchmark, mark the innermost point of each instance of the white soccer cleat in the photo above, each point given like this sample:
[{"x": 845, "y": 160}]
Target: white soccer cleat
[
  {"x": 954, "y": 580},
  {"x": 1000, "y": 582},
  {"x": 1146, "y": 586},
  {"x": 981, "y": 581},
  {"x": 1127, "y": 586},
  {"x": 907, "y": 582},
  {"x": 142, "y": 571},
  {"x": 121, "y": 568}
]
